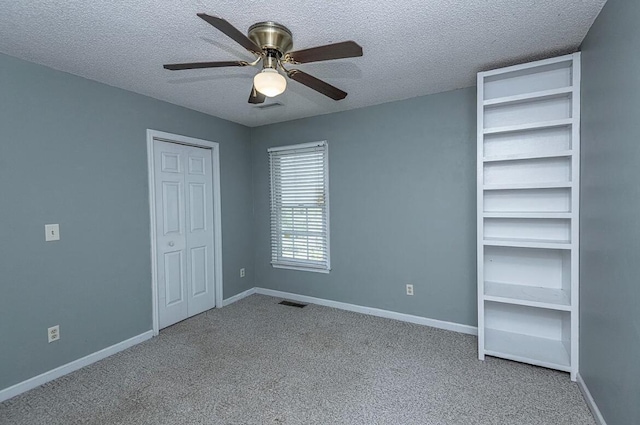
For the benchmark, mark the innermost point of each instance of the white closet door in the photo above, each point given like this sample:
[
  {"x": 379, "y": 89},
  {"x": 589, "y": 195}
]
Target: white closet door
[
  {"x": 170, "y": 233},
  {"x": 199, "y": 229},
  {"x": 184, "y": 231}
]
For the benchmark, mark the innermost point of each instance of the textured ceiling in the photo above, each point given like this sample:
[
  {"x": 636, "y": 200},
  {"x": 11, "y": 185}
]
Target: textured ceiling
[{"x": 411, "y": 47}]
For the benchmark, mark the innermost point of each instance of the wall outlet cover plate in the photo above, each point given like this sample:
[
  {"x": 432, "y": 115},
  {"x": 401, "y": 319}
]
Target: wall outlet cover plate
[{"x": 51, "y": 232}]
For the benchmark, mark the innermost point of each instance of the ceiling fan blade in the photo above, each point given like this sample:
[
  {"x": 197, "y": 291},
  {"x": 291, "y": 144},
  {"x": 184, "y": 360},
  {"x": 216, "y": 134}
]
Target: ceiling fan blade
[
  {"x": 346, "y": 49},
  {"x": 256, "y": 97},
  {"x": 196, "y": 65},
  {"x": 316, "y": 84},
  {"x": 231, "y": 32}
]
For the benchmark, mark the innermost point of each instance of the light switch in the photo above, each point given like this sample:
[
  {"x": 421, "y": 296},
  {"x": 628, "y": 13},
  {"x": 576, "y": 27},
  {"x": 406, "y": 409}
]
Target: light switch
[{"x": 51, "y": 232}]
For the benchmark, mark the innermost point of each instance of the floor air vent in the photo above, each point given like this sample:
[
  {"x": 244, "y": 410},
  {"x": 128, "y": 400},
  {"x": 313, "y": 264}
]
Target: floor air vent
[{"x": 292, "y": 304}]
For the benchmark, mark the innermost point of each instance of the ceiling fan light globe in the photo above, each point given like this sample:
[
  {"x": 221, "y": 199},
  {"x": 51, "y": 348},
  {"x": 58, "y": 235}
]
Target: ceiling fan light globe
[{"x": 269, "y": 82}]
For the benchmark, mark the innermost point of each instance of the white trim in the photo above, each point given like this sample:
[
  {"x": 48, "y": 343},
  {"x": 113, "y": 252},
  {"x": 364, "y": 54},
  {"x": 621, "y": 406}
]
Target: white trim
[
  {"x": 440, "y": 324},
  {"x": 217, "y": 214},
  {"x": 520, "y": 67},
  {"x": 588, "y": 398},
  {"x": 217, "y": 226},
  {"x": 327, "y": 200},
  {"x": 238, "y": 297},
  {"x": 575, "y": 210},
  {"x": 152, "y": 223},
  {"x": 298, "y": 146},
  {"x": 480, "y": 210},
  {"x": 45, "y": 377},
  {"x": 299, "y": 268}
]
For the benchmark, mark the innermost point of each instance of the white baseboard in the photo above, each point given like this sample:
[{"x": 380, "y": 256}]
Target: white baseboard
[
  {"x": 590, "y": 401},
  {"x": 440, "y": 324},
  {"x": 238, "y": 297},
  {"x": 43, "y": 378}
]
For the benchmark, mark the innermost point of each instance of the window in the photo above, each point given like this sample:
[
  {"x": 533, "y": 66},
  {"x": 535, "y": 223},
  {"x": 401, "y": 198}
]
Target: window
[{"x": 300, "y": 206}]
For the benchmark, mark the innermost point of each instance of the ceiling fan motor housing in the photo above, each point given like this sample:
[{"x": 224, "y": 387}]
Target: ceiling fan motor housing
[{"x": 271, "y": 36}]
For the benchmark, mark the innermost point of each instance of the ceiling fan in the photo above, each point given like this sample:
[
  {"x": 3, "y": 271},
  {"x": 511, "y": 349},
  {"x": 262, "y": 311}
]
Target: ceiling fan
[{"x": 271, "y": 43}]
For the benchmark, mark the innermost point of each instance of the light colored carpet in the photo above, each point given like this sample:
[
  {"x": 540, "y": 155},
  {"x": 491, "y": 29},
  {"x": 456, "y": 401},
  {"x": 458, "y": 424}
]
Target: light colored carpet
[{"x": 257, "y": 362}]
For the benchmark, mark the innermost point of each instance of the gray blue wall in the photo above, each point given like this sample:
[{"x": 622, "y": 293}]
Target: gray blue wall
[
  {"x": 73, "y": 151},
  {"x": 610, "y": 213},
  {"x": 402, "y": 193}
]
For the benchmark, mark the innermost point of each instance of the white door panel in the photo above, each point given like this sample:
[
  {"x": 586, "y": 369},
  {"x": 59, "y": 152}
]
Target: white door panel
[
  {"x": 198, "y": 271},
  {"x": 171, "y": 162},
  {"x": 173, "y": 278},
  {"x": 196, "y": 165},
  {"x": 170, "y": 234},
  {"x": 199, "y": 206},
  {"x": 184, "y": 233},
  {"x": 171, "y": 206}
]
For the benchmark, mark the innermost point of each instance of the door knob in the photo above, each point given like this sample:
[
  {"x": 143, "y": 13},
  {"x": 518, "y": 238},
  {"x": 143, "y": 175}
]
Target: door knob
[{"x": 171, "y": 243}]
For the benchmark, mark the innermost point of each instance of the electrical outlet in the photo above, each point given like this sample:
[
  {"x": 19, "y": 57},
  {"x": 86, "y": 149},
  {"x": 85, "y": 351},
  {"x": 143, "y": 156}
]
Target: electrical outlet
[
  {"x": 54, "y": 333},
  {"x": 409, "y": 289},
  {"x": 242, "y": 272}
]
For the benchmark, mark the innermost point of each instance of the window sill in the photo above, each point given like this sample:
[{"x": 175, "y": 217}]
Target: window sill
[{"x": 300, "y": 268}]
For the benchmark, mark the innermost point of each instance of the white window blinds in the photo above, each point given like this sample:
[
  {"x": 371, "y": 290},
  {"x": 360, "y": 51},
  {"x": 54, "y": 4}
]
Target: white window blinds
[{"x": 300, "y": 206}]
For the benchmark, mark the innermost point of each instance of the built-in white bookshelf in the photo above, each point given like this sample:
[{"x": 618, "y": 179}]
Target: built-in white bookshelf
[{"x": 528, "y": 218}]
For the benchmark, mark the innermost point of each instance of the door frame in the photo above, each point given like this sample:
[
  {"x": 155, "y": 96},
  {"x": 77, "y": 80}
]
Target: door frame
[{"x": 153, "y": 135}]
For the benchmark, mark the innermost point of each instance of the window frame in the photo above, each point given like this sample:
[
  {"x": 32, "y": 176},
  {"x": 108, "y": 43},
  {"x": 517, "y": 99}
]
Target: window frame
[{"x": 279, "y": 263}]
